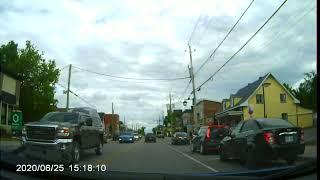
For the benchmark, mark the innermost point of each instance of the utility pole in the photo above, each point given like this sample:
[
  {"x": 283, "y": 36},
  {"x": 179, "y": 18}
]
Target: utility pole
[
  {"x": 68, "y": 90},
  {"x": 192, "y": 80},
  {"x": 192, "y": 77}
]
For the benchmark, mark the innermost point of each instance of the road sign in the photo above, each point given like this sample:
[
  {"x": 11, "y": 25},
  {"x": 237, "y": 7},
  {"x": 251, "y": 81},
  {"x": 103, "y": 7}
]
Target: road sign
[
  {"x": 16, "y": 119},
  {"x": 250, "y": 110}
]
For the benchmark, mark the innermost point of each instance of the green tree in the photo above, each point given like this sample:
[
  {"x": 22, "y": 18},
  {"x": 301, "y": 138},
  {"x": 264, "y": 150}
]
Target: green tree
[
  {"x": 38, "y": 78},
  {"x": 306, "y": 92}
]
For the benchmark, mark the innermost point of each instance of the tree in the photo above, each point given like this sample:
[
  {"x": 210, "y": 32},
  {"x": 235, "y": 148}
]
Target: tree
[
  {"x": 38, "y": 78},
  {"x": 306, "y": 92}
]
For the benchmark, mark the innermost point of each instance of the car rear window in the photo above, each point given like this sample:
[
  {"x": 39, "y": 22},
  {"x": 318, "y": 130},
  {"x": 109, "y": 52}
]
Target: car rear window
[
  {"x": 269, "y": 123},
  {"x": 218, "y": 131}
]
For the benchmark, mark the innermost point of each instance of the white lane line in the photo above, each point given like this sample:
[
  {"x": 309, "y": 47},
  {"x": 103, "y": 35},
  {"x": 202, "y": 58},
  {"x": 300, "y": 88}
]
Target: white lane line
[{"x": 193, "y": 159}]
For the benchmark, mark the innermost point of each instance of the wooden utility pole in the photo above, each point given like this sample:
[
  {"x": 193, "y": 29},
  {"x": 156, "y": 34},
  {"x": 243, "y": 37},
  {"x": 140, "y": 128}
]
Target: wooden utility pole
[
  {"x": 68, "y": 90},
  {"x": 192, "y": 77}
]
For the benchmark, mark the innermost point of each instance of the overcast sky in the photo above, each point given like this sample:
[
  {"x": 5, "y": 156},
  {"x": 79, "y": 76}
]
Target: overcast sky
[{"x": 148, "y": 39}]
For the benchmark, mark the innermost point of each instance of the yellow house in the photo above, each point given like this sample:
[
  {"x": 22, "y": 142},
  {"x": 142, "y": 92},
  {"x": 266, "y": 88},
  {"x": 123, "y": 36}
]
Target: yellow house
[{"x": 266, "y": 98}]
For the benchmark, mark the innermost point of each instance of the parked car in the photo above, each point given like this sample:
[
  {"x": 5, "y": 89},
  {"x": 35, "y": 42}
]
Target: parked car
[
  {"x": 126, "y": 137},
  {"x": 180, "y": 138},
  {"x": 60, "y": 136},
  {"x": 208, "y": 138},
  {"x": 136, "y": 136},
  {"x": 260, "y": 140},
  {"x": 150, "y": 137}
]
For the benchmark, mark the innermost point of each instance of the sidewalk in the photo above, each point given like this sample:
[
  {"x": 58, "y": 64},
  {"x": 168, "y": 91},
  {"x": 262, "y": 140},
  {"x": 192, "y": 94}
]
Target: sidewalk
[
  {"x": 9, "y": 144},
  {"x": 310, "y": 152}
]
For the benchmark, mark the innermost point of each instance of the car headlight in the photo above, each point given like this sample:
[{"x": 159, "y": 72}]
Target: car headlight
[
  {"x": 120, "y": 139},
  {"x": 63, "y": 132},
  {"x": 130, "y": 139},
  {"x": 24, "y": 130}
]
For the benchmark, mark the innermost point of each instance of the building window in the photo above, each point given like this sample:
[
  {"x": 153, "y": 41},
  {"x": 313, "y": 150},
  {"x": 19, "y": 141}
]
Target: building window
[
  {"x": 4, "y": 113},
  {"x": 284, "y": 116},
  {"x": 10, "y": 108},
  {"x": 283, "y": 98},
  {"x": 259, "y": 99}
]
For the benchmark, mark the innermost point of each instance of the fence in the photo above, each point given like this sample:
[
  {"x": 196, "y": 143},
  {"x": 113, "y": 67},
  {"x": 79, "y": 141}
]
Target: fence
[{"x": 302, "y": 119}]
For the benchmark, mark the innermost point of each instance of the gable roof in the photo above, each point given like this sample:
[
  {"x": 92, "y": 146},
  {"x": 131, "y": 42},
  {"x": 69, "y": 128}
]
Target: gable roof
[{"x": 246, "y": 92}]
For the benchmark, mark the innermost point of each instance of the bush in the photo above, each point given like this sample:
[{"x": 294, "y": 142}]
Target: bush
[{"x": 3, "y": 132}]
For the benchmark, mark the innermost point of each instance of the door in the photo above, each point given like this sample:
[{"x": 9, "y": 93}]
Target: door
[
  {"x": 231, "y": 142},
  {"x": 85, "y": 133},
  {"x": 97, "y": 131},
  {"x": 198, "y": 138}
]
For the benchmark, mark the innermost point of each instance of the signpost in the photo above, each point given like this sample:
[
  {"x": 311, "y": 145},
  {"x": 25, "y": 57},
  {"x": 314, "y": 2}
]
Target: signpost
[
  {"x": 250, "y": 111},
  {"x": 17, "y": 122}
]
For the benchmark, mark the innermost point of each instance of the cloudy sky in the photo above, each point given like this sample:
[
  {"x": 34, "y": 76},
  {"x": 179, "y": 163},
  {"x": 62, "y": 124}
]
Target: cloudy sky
[{"x": 148, "y": 39}]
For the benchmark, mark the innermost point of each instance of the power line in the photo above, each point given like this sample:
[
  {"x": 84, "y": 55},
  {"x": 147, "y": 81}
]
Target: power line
[
  {"x": 185, "y": 90},
  {"x": 63, "y": 67},
  {"x": 199, "y": 88},
  {"x": 77, "y": 95},
  {"x": 206, "y": 61},
  {"x": 194, "y": 28},
  {"x": 128, "y": 78}
]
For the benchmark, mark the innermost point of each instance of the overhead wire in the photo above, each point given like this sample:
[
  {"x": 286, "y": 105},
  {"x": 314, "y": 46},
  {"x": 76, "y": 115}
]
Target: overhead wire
[
  {"x": 232, "y": 28},
  {"x": 128, "y": 78},
  {"x": 77, "y": 95},
  {"x": 199, "y": 87}
]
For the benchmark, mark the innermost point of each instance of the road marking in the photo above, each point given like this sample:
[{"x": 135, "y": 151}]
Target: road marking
[{"x": 193, "y": 159}]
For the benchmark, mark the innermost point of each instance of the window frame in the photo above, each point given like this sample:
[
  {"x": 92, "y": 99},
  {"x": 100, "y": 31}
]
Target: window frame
[
  {"x": 282, "y": 115},
  {"x": 262, "y": 99},
  {"x": 285, "y": 98}
]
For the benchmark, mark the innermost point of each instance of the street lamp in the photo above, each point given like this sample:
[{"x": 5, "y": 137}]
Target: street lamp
[
  {"x": 184, "y": 102},
  {"x": 264, "y": 85}
]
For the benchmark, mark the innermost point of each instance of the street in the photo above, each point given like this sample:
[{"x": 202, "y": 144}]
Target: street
[{"x": 162, "y": 157}]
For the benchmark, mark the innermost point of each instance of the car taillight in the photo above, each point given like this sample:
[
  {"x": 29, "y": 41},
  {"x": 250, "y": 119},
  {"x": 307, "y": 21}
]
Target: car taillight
[
  {"x": 208, "y": 134},
  {"x": 301, "y": 136},
  {"x": 269, "y": 137}
]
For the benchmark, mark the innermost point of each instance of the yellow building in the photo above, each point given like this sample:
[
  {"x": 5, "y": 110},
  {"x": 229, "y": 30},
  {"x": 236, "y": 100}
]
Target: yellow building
[{"x": 266, "y": 97}]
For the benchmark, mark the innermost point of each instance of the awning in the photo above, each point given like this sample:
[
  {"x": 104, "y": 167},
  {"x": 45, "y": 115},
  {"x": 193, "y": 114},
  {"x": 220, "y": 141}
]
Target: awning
[{"x": 229, "y": 113}]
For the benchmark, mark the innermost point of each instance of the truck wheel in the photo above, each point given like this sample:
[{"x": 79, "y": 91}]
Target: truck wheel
[
  {"x": 75, "y": 154},
  {"x": 223, "y": 156},
  {"x": 99, "y": 148}
]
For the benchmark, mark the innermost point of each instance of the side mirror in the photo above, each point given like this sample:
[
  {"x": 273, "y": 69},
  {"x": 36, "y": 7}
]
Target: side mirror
[{"x": 89, "y": 122}]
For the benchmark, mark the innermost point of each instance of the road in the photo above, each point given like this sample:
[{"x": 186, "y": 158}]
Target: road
[{"x": 162, "y": 157}]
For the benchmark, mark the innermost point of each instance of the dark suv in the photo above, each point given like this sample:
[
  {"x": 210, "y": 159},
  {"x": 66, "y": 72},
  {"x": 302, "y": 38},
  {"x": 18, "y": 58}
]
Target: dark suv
[
  {"x": 260, "y": 140},
  {"x": 208, "y": 138},
  {"x": 60, "y": 136}
]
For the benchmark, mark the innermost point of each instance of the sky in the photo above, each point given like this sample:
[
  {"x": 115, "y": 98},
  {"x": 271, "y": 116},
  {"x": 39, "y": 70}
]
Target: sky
[{"x": 149, "y": 39}]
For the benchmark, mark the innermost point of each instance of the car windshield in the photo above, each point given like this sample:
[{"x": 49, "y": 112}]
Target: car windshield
[
  {"x": 270, "y": 123},
  {"x": 60, "y": 117},
  {"x": 126, "y": 134},
  {"x": 154, "y": 86}
]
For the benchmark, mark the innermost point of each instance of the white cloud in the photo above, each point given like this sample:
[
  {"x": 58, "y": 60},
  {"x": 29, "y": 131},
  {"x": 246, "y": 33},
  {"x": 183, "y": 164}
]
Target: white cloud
[{"x": 147, "y": 39}]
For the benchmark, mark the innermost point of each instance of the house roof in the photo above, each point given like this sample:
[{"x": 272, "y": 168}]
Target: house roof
[{"x": 246, "y": 92}]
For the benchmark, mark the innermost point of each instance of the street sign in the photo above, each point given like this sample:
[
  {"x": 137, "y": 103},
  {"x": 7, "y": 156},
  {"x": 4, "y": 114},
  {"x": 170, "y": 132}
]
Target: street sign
[
  {"x": 250, "y": 110},
  {"x": 17, "y": 121}
]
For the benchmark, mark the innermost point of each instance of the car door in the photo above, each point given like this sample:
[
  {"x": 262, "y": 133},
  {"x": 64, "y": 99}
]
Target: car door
[
  {"x": 84, "y": 132},
  {"x": 230, "y": 141},
  {"x": 198, "y": 138},
  {"x": 96, "y": 131},
  {"x": 245, "y": 137}
]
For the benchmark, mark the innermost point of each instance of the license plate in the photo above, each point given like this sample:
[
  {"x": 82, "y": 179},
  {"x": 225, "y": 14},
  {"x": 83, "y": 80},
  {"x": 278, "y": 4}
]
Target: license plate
[{"x": 288, "y": 139}]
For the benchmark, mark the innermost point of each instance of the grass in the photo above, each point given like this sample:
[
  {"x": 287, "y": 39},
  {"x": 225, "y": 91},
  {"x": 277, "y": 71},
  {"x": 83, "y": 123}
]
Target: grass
[{"x": 8, "y": 139}]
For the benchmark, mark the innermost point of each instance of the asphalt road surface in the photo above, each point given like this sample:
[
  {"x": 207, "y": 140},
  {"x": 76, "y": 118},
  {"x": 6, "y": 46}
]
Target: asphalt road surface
[{"x": 162, "y": 157}]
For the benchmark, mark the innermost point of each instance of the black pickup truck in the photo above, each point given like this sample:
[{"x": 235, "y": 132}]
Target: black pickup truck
[{"x": 60, "y": 136}]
